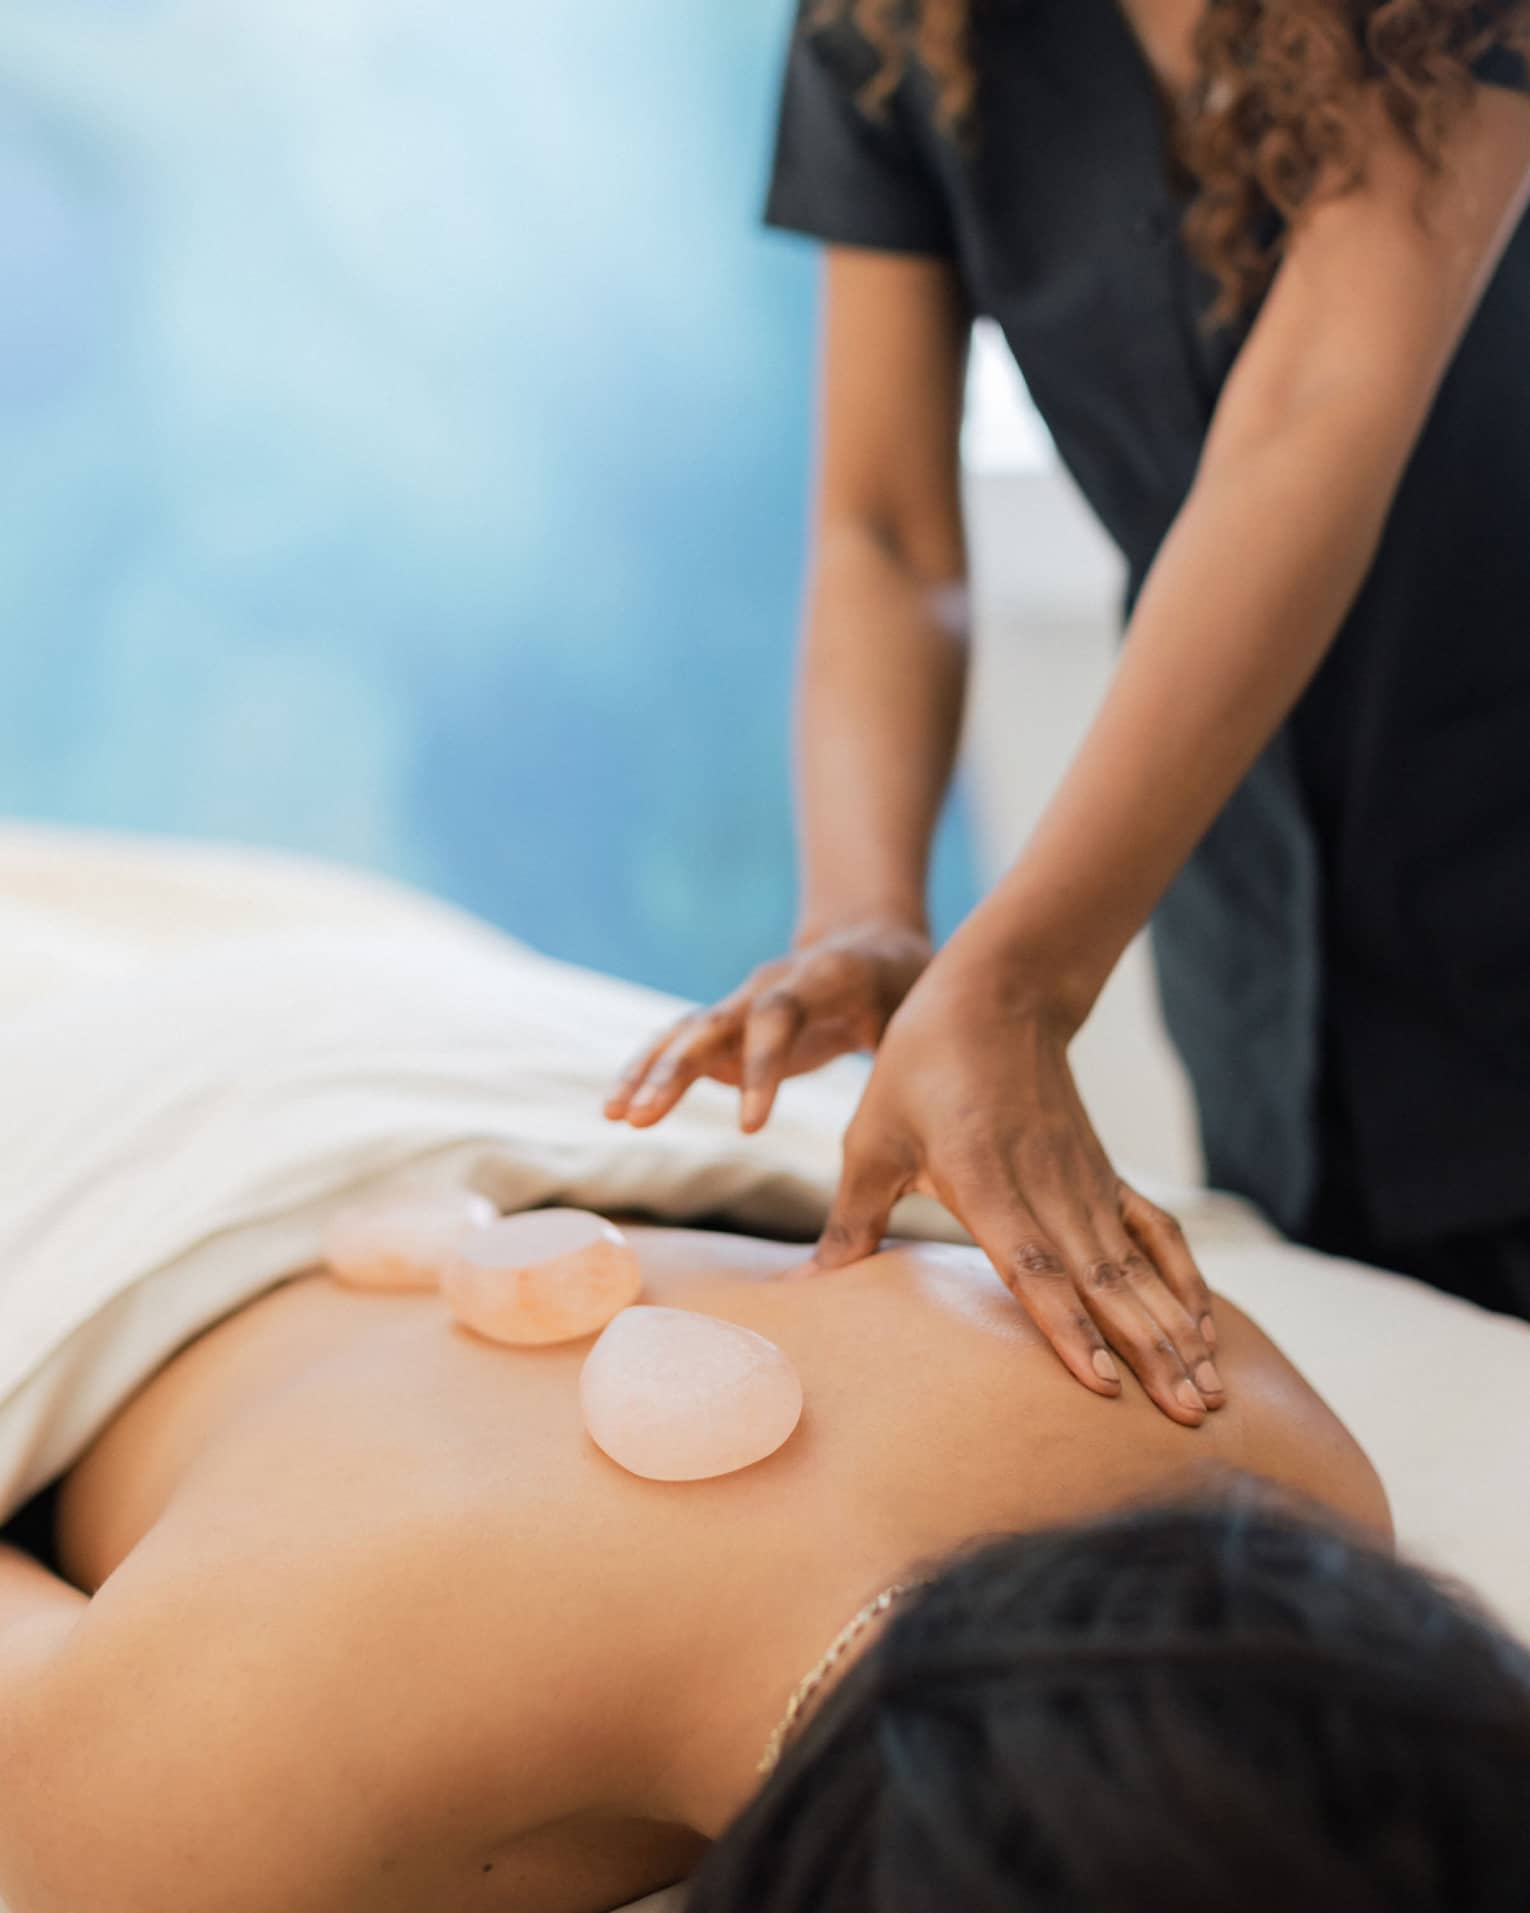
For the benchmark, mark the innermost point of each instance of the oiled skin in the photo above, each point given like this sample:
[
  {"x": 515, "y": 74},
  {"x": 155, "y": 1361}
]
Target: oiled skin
[{"x": 384, "y": 1632}]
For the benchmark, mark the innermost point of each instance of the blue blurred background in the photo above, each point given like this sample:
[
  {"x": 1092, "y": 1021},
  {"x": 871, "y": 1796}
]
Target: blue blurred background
[{"x": 403, "y": 447}]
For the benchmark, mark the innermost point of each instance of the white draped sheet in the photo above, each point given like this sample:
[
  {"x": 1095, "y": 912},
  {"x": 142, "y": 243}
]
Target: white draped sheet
[{"x": 203, "y": 1051}]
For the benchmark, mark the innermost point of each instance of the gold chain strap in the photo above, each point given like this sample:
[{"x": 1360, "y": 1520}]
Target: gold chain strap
[{"x": 810, "y": 1683}]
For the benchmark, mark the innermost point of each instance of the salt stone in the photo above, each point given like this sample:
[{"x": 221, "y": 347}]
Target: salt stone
[
  {"x": 676, "y": 1396},
  {"x": 402, "y": 1240},
  {"x": 548, "y": 1275}
]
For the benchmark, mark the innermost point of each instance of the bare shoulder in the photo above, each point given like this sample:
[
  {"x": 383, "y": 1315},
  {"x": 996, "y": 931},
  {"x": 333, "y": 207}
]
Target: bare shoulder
[
  {"x": 291, "y": 1727},
  {"x": 1277, "y": 1425}
]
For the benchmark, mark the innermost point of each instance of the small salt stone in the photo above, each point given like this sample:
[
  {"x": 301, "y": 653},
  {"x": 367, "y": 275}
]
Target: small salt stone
[
  {"x": 545, "y": 1276},
  {"x": 676, "y": 1396},
  {"x": 401, "y": 1240}
]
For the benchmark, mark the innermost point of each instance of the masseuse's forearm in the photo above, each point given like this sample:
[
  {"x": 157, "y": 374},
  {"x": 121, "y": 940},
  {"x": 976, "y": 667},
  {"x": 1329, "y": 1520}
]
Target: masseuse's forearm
[
  {"x": 879, "y": 714},
  {"x": 1246, "y": 596}
]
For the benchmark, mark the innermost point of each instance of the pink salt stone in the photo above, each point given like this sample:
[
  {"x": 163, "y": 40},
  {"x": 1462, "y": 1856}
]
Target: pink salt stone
[
  {"x": 402, "y": 1240},
  {"x": 676, "y": 1396},
  {"x": 548, "y": 1275}
]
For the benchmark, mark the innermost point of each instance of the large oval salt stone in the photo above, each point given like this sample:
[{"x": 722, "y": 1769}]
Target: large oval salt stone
[
  {"x": 676, "y": 1396},
  {"x": 547, "y": 1275},
  {"x": 401, "y": 1240}
]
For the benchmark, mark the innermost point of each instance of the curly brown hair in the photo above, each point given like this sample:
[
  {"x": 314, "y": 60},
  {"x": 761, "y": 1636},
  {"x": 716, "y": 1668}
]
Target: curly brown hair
[{"x": 1268, "y": 126}]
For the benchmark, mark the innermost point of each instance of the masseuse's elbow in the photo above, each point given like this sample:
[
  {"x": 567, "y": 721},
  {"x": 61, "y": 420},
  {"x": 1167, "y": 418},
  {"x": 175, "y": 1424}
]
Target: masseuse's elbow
[
  {"x": 909, "y": 515},
  {"x": 885, "y": 567}
]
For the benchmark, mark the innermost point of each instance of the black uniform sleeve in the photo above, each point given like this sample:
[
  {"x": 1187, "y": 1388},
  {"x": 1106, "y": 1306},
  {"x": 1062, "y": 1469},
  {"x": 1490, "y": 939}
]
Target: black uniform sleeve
[{"x": 844, "y": 174}]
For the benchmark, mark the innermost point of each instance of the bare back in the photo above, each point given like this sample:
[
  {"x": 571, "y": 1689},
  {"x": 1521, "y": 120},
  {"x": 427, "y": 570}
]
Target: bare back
[{"x": 380, "y": 1565}]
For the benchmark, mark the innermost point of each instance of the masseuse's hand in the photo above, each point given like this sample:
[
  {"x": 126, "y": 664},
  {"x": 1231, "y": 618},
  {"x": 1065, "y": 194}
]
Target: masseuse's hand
[
  {"x": 971, "y": 1099},
  {"x": 833, "y": 994}
]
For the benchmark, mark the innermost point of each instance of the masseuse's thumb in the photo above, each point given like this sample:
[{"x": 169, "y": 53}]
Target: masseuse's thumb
[{"x": 868, "y": 1188}]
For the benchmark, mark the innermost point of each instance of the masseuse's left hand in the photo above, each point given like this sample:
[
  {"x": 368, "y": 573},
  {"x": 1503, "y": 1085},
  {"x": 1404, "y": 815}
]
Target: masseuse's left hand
[{"x": 972, "y": 1099}]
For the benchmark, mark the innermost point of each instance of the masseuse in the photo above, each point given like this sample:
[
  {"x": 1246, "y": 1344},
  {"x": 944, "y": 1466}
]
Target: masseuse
[{"x": 1265, "y": 265}]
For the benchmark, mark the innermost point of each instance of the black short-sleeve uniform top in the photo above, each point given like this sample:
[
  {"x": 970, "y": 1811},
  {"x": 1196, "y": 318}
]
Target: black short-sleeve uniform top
[{"x": 1350, "y": 942}]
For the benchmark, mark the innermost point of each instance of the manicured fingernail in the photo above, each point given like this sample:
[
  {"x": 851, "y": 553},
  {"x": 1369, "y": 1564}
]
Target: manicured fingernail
[
  {"x": 1208, "y": 1332},
  {"x": 1104, "y": 1367},
  {"x": 1188, "y": 1396},
  {"x": 1208, "y": 1380}
]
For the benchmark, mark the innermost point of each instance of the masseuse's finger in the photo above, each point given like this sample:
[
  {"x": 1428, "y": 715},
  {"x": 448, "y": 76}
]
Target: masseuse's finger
[
  {"x": 696, "y": 1048},
  {"x": 1069, "y": 1189},
  {"x": 1000, "y": 1221},
  {"x": 869, "y": 1185},
  {"x": 633, "y": 1072},
  {"x": 770, "y": 1029},
  {"x": 693, "y": 1050},
  {"x": 1106, "y": 1236},
  {"x": 1164, "y": 1240},
  {"x": 1146, "y": 1348},
  {"x": 1166, "y": 1309},
  {"x": 1109, "y": 1289},
  {"x": 1108, "y": 1276}
]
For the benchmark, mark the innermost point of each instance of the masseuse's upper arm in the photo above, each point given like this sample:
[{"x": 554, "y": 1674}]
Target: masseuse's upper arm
[
  {"x": 1379, "y": 283},
  {"x": 895, "y": 334}
]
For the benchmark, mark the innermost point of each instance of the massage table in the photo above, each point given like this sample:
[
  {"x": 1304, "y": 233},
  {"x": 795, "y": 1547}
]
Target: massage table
[{"x": 141, "y": 1197}]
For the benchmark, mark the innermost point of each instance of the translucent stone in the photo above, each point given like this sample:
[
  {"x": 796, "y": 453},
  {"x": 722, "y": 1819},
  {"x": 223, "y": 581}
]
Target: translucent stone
[
  {"x": 548, "y": 1275},
  {"x": 402, "y": 1240},
  {"x": 676, "y": 1396}
]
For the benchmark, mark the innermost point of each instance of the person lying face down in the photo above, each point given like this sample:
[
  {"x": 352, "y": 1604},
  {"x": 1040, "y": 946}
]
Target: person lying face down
[
  {"x": 1197, "y": 1707},
  {"x": 354, "y": 1618}
]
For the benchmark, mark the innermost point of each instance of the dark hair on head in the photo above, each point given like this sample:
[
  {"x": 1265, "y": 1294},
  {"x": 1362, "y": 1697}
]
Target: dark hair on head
[
  {"x": 1222, "y": 1709},
  {"x": 1269, "y": 127}
]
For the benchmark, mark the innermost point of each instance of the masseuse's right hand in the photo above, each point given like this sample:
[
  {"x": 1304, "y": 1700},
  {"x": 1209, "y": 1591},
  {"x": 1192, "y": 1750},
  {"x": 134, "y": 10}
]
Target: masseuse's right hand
[{"x": 834, "y": 993}]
